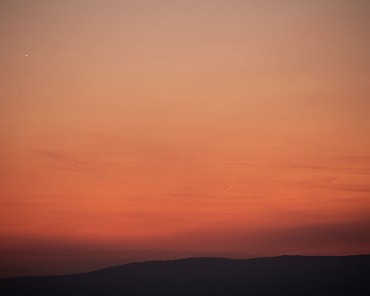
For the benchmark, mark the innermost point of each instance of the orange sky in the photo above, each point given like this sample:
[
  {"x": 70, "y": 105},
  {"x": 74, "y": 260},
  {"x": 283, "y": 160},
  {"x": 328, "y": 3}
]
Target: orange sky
[{"x": 124, "y": 124}]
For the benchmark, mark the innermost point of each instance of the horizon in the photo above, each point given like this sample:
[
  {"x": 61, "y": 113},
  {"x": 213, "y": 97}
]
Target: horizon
[
  {"x": 103, "y": 268},
  {"x": 143, "y": 129}
]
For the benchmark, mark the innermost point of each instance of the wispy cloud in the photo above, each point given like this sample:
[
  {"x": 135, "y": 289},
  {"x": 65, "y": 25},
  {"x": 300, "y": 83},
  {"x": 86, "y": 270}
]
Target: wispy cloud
[
  {"x": 350, "y": 187},
  {"x": 337, "y": 169},
  {"x": 283, "y": 240},
  {"x": 60, "y": 160},
  {"x": 325, "y": 234},
  {"x": 361, "y": 158}
]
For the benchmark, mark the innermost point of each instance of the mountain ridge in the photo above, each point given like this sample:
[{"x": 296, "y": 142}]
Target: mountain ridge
[{"x": 281, "y": 275}]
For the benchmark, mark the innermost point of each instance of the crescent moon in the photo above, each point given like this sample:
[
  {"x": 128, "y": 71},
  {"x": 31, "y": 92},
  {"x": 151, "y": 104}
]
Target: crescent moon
[{"x": 231, "y": 186}]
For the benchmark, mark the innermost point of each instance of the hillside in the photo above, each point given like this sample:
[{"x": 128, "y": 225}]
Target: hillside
[{"x": 285, "y": 275}]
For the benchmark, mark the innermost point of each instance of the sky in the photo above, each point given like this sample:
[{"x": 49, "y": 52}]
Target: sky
[{"x": 136, "y": 130}]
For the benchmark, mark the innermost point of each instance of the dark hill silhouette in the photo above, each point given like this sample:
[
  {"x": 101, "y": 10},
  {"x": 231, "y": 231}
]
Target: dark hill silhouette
[{"x": 285, "y": 275}]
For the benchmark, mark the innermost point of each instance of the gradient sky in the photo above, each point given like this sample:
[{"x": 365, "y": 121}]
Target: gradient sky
[{"x": 134, "y": 130}]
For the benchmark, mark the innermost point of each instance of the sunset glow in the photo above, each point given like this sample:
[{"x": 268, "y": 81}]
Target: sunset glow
[{"x": 135, "y": 130}]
